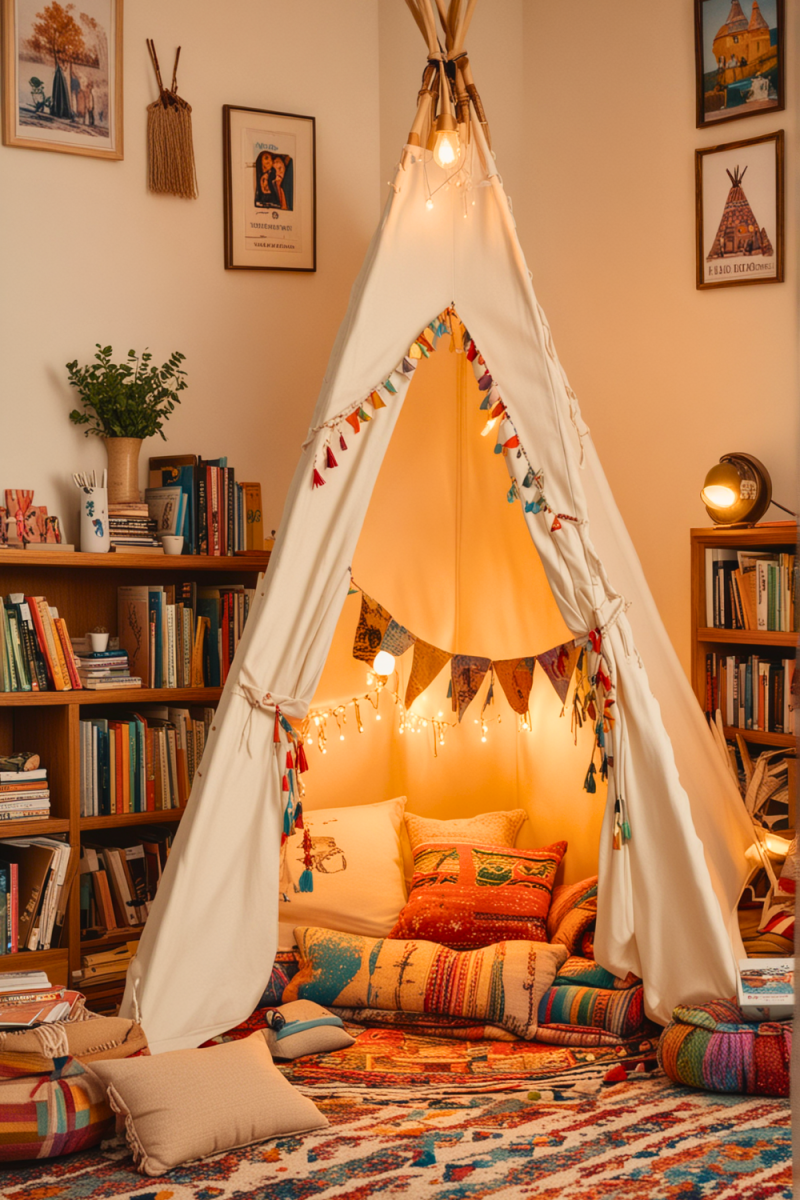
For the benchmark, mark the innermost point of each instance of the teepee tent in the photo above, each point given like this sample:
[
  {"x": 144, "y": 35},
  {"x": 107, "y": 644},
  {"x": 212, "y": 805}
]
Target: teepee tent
[
  {"x": 739, "y": 232},
  {"x": 675, "y": 832}
]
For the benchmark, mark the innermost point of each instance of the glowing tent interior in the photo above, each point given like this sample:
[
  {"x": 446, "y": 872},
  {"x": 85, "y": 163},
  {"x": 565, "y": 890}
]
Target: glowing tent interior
[{"x": 445, "y": 265}]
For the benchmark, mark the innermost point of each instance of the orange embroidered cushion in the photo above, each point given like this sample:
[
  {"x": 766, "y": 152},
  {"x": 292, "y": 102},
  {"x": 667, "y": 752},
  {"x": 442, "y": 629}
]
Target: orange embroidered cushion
[{"x": 467, "y": 896}]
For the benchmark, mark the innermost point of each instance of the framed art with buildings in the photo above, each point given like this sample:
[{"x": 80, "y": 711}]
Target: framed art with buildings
[
  {"x": 269, "y": 172},
  {"x": 739, "y": 199},
  {"x": 62, "y": 76},
  {"x": 739, "y": 59}
]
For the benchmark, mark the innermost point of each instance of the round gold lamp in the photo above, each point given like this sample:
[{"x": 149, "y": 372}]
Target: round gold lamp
[{"x": 737, "y": 491}]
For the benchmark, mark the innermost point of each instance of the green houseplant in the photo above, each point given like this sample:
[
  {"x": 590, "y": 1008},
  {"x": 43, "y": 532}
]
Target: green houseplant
[{"x": 123, "y": 403}]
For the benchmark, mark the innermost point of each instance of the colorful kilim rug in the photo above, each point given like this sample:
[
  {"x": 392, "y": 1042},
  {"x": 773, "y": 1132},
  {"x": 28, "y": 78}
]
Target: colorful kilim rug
[{"x": 645, "y": 1139}]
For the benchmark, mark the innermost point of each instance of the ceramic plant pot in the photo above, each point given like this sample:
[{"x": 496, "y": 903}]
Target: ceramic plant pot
[{"x": 123, "y": 469}]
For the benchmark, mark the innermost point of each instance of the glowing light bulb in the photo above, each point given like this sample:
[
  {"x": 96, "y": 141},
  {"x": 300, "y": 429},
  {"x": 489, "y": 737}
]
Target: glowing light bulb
[
  {"x": 384, "y": 663},
  {"x": 324, "y": 751},
  {"x": 377, "y": 716},
  {"x": 341, "y": 737},
  {"x": 310, "y": 741},
  {"x": 719, "y": 496},
  {"x": 429, "y": 204},
  {"x": 483, "y": 739},
  {"x": 446, "y": 148}
]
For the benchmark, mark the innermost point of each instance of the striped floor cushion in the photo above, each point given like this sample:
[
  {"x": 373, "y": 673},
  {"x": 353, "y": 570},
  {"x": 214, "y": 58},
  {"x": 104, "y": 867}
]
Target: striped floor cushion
[
  {"x": 590, "y": 1016},
  {"x": 42, "y": 1116},
  {"x": 712, "y": 1047}
]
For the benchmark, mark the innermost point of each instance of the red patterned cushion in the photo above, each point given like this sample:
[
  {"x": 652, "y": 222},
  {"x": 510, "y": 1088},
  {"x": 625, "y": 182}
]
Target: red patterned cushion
[{"x": 468, "y": 896}]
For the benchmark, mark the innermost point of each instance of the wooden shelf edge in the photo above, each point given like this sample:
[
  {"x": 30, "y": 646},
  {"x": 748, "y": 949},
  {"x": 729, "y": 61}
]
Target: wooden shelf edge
[
  {"x": 122, "y": 562},
  {"x": 117, "y": 820},
  {"x": 748, "y": 637},
  {"x": 757, "y": 735},
  {"x": 15, "y": 829},
  {"x": 114, "y": 696},
  {"x": 113, "y": 937}
]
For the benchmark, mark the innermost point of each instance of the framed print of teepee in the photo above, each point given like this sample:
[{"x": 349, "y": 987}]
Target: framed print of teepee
[{"x": 739, "y": 196}]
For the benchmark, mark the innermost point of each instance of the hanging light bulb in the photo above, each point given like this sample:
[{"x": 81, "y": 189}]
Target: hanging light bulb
[
  {"x": 444, "y": 141},
  {"x": 384, "y": 663},
  {"x": 429, "y": 204}
]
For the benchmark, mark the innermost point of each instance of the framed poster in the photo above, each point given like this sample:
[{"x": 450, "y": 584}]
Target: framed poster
[
  {"x": 269, "y": 169},
  {"x": 739, "y": 58},
  {"x": 62, "y": 76},
  {"x": 739, "y": 197}
]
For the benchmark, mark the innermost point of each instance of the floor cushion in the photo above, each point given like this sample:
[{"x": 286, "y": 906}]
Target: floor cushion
[
  {"x": 712, "y": 1047},
  {"x": 465, "y": 896},
  {"x": 496, "y": 828},
  {"x": 499, "y": 985},
  {"x": 572, "y": 915},
  {"x": 45, "y": 1115}
]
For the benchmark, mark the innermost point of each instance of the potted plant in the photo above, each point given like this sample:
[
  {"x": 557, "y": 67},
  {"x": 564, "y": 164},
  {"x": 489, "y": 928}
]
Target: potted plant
[{"x": 123, "y": 403}]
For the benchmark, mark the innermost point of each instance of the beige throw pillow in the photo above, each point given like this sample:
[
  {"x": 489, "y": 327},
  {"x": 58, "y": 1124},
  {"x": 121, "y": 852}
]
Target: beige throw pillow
[
  {"x": 494, "y": 828},
  {"x": 188, "y": 1104},
  {"x": 304, "y": 1027},
  {"x": 357, "y": 870}
]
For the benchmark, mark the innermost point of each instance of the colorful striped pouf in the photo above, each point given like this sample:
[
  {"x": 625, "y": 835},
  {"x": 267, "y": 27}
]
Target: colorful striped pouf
[
  {"x": 714, "y": 1048},
  {"x": 42, "y": 1116}
]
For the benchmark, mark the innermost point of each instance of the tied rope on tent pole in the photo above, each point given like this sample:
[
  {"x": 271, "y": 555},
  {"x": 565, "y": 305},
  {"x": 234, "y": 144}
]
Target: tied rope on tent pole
[{"x": 170, "y": 152}]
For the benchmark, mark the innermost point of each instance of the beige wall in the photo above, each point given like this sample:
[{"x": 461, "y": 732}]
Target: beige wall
[{"x": 88, "y": 255}]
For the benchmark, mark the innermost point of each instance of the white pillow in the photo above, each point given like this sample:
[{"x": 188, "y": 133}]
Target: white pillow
[{"x": 358, "y": 872}]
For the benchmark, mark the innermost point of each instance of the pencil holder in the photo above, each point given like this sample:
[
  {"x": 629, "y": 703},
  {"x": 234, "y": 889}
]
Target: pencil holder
[{"x": 95, "y": 538}]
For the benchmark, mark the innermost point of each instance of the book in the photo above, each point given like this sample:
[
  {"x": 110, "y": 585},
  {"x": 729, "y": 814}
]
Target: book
[
  {"x": 765, "y": 988},
  {"x": 133, "y": 625},
  {"x": 34, "y": 862},
  {"x": 166, "y": 506}
]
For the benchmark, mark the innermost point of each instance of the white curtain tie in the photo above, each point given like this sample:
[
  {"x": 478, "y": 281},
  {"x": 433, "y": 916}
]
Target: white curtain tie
[{"x": 267, "y": 702}]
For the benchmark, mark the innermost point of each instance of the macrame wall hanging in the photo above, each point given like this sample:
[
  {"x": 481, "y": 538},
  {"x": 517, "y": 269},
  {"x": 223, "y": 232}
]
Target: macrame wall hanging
[{"x": 170, "y": 153}]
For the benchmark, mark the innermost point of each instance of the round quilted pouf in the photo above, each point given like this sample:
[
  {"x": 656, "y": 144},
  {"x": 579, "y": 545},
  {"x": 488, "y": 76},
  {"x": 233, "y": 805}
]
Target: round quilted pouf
[
  {"x": 44, "y": 1116},
  {"x": 714, "y": 1048}
]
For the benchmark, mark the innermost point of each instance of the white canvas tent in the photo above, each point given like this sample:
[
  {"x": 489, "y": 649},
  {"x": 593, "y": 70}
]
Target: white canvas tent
[{"x": 668, "y": 897}]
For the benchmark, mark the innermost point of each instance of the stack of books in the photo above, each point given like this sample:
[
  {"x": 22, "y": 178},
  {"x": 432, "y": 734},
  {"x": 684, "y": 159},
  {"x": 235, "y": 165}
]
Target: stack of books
[
  {"x": 143, "y": 762},
  {"x": 28, "y": 998},
  {"x": 24, "y": 796},
  {"x": 105, "y": 966},
  {"x": 753, "y": 692},
  {"x": 35, "y": 881},
  {"x": 219, "y": 515},
  {"x": 35, "y": 648},
  {"x": 192, "y": 631},
  {"x": 132, "y": 528},
  {"x": 119, "y": 878},
  {"x": 106, "y": 669},
  {"x": 750, "y": 589}
]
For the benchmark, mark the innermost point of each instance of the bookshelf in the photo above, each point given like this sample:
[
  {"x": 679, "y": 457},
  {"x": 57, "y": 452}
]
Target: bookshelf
[
  {"x": 84, "y": 589},
  {"x": 778, "y": 536}
]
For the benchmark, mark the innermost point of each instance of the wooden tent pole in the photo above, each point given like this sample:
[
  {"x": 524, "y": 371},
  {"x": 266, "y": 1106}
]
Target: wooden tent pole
[
  {"x": 417, "y": 18},
  {"x": 463, "y": 27}
]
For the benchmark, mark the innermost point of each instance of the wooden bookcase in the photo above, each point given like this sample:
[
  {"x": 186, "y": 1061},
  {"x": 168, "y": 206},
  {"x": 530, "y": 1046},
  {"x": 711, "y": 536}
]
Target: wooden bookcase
[
  {"x": 777, "y": 536},
  {"x": 83, "y": 587}
]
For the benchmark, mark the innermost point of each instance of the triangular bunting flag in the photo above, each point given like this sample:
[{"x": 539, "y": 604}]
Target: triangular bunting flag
[
  {"x": 363, "y": 415},
  {"x": 390, "y": 387},
  {"x": 376, "y": 401},
  {"x": 372, "y": 625},
  {"x": 467, "y": 672},
  {"x": 558, "y": 664},
  {"x": 397, "y": 639},
  {"x": 428, "y": 662},
  {"x": 353, "y": 420},
  {"x": 486, "y": 402},
  {"x": 485, "y": 381},
  {"x": 472, "y": 350},
  {"x": 414, "y": 351},
  {"x": 516, "y": 680}
]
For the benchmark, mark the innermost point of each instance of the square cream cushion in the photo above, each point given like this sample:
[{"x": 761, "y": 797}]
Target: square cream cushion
[
  {"x": 188, "y": 1104},
  {"x": 359, "y": 886},
  {"x": 497, "y": 828},
  {"x": 308, "y": 1029}
]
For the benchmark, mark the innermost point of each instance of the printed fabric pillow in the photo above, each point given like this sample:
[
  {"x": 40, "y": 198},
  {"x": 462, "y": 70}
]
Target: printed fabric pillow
[
  {"x": 188, "y": 1104},
  {"x": 494, "y": 828},
  {"x": 303, "y": 1027},
  {"x": 357, "y": 869},
  {"x": 466, "y": 896},
  {"x": 572, "y": 915},
  {"x": 54, "y": 1113},
  {"x": 500, "y": 985}
]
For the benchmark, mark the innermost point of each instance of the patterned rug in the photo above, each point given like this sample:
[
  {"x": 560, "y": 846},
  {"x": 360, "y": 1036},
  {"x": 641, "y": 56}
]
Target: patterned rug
[{"x": 642, "y": 1140}]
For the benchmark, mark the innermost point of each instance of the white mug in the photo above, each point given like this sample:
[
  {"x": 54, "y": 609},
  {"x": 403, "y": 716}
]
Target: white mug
[
  {"x": 95, "y": 536},
  {"x": 172, "y": 543}
]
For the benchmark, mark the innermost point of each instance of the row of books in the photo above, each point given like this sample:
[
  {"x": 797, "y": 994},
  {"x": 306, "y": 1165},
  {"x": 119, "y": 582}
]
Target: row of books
[
  {"x": 752, "y": 692},
  {"x": 24, "y": 795},
  {"x": 217, "y": 515},
  {"x": 28, "y": 998},
  {"x": 119, "y": 878},
  {"x": 750, "y": 589},
  {"x": 104, "y": 966},
  {"x": 182, "y": 635},
  {"x": 35, "y": 880},
  {"x": 35, "y": 648},
  {"x": 143, "y": 762}
]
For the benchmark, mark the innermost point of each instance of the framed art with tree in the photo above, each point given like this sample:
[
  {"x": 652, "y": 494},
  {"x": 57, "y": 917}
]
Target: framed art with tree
[{"x": 62, "y": 76}]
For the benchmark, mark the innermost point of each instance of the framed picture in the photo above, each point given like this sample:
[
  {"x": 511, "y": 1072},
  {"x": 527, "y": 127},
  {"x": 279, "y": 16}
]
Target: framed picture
[
  {"x": 62, "y": 76},
  {"x": 739, "y": 195},
  {"x": 739, "y": 58},
  {"x": 269, "y": 169}
]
